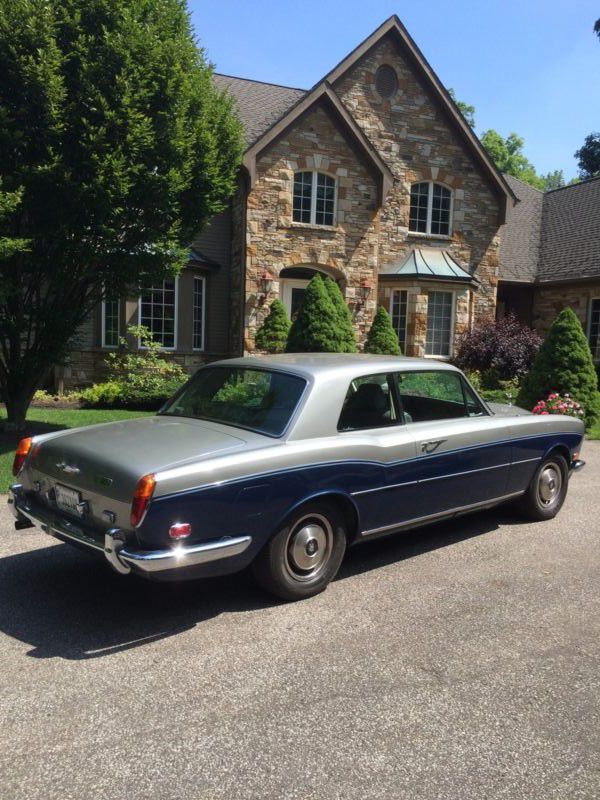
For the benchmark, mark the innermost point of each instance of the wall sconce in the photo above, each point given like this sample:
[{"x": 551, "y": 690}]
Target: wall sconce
[
  {"x": 265, "y": 285},
  {"x": 363, "y": 292}
]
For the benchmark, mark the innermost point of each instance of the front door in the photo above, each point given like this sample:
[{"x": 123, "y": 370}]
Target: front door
[{"x": 292, "y": 295}]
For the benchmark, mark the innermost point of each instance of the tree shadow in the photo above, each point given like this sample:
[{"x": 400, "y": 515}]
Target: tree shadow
[
  {"x": 68, "y": 604},
  {"x": 10, "y": 439}
]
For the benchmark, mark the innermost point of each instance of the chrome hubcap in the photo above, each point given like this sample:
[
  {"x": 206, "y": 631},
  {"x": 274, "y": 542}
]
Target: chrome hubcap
[
  {"x": 549, "y": 484},
  {"x": 308, "y": 547}
]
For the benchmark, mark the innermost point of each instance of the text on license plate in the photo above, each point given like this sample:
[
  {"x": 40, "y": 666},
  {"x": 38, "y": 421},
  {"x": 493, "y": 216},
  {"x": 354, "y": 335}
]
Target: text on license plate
[{"x": 66, "y": 498}]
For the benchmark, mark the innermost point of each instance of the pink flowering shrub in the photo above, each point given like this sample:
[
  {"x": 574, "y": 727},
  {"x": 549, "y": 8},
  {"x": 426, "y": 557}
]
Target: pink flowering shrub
[{"x": 555, "y": 404}]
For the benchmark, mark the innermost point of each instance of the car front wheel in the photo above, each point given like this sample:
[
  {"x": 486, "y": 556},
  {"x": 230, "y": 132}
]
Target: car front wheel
[
  {"x": 548, "y": 489},
  {"x": 305, "y": 555}
]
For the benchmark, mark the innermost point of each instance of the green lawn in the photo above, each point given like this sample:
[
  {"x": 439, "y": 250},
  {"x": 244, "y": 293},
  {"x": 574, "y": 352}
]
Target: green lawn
[
  {"x": 46, "y": 420},
  {"x": 593, "y": 432}
]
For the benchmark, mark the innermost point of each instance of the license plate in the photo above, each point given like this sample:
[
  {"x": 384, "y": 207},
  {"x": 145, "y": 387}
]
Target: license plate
[{"x": 66, "y": 498}]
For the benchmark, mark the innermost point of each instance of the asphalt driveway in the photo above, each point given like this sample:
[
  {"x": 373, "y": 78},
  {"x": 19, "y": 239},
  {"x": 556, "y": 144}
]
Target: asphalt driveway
[{"x": 459, "y": 661}]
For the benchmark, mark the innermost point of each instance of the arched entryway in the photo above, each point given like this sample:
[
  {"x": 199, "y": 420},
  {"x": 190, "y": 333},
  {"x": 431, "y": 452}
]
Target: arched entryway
[{"x": 293, "y": 282}]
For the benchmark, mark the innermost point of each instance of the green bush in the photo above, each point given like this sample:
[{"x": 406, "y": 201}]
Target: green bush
[
  {"x": 272, "y": 335},
  {"x": 316, "y": 329},
  {"x": 141, "y": 380},
  {"x": 345, "y": 327},
  {"x": 563, "y": 364},
  {"x": 382, "y": 337}
]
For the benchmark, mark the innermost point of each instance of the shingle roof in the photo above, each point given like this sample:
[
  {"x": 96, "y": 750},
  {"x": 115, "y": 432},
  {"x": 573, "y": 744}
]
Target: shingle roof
[
  {"x": 553, "y": 236},
  {"x": 571, "y": 232},
  {"x": 259, "y": 104},
  {"x": 520, "y": 236}
]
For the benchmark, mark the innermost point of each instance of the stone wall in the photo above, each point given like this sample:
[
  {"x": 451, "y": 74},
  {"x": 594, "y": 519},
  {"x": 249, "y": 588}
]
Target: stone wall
[
  {"x": 346, "y": 251},
  {"x": 417, "y": 140},
  {"x": 548, "y": 301}
]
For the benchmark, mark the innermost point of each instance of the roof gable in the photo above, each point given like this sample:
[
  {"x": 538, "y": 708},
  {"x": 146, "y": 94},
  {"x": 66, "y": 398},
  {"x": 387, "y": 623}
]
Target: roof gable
[
  {"x": 421, "y": 66},
  {"x": 323, "y": 94}
]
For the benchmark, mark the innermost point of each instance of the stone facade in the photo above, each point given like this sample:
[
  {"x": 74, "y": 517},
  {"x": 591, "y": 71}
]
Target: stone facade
[
  {"x": 549, "y": 301},
  {"x": 414, "y": 136}
]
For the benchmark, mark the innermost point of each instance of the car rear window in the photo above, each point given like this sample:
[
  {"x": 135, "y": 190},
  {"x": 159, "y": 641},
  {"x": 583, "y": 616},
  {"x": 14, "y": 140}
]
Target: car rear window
[{"x": 259, "y": 400}]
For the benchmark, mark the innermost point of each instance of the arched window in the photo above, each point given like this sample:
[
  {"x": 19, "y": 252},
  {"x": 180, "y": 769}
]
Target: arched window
[
  {"x": 314, "y": 198},
  {"x": 430, "y": 209}
]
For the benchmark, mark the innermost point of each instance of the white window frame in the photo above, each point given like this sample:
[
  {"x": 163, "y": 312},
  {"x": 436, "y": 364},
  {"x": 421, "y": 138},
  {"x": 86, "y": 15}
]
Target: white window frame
[
  {"x": 175, "y": 321},
  {"x": 203, "y": 279},
  {"x": 313, "y": 199},
  {"x": 406, "y": 320},
  {"x": 103, "y": 325},
  {"x": 452, "y": 325},
  {"x": 589, "y": 324},
  {"x": 287, "y": 285},
  {"x": 428, "y": 232}
]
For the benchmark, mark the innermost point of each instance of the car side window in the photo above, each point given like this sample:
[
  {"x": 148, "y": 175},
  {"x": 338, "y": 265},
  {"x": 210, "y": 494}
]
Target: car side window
[
  {"x": 431, "y": 395},
  {"x": 369, "y": 404}
]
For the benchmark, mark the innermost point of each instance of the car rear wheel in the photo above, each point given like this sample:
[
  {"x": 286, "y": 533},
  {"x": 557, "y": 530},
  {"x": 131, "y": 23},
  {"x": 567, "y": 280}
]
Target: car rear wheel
[
  {"x": 547, "y": 491},
  {"x": 305, "y": 555}
]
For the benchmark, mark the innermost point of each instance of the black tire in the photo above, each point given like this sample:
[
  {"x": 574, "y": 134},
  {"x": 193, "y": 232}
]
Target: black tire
[
  {"x": 305, "y": 555},
  {"x": 548, "y": 489}
]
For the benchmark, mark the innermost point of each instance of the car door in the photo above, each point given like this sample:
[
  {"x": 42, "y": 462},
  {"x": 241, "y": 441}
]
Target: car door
[
  {"x": 463, "y": 452},
  {"x": 381, "y": 483}
]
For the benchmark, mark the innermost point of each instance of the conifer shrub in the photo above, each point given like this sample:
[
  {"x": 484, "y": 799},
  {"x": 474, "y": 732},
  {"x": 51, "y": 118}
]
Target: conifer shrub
[
  {"x": 273, "y": 333},
  {"x": 316, "y": 329},
  {"x": 382, "y": 337},
  {"x": 345, "y": 327},
  {"x": 564, "y": 365}
]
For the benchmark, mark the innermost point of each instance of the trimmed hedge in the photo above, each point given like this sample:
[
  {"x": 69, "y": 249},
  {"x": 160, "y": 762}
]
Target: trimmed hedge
[
  {"x": 273, "y": 333},
  {"x": 382, "y": 337}
]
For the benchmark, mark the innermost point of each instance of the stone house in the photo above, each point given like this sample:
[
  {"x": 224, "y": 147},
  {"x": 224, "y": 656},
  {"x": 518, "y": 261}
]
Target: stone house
[{"x": 372, "y": 177}]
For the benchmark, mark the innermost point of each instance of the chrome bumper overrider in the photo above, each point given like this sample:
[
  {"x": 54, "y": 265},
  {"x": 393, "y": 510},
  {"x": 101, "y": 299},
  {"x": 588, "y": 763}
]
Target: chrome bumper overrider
[{"x": 120, "y": 557}]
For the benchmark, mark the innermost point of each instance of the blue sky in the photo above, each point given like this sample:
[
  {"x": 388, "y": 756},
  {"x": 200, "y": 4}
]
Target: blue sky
[{"x": 529, "y": 66}]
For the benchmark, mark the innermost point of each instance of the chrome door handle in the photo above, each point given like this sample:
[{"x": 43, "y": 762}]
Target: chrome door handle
[{"x": 432, "y": 446}]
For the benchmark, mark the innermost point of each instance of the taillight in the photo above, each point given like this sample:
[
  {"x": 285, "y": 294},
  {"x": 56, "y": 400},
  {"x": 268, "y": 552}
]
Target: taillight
[
  {"x": 180, "y": 530},
  {"x": 21, "y": 454},
  {"x": 141, "y": 498}
]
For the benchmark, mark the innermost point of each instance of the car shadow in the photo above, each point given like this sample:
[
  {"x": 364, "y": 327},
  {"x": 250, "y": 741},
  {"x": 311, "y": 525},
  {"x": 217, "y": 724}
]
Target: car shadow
[{"x": 69, "y": 604}]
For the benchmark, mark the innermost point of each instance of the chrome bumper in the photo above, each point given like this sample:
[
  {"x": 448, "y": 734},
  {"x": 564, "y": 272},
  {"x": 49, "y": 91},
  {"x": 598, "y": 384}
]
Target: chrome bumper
[
  {"x": 120, "y": 557},
  {"x": 577, "y": 465}
]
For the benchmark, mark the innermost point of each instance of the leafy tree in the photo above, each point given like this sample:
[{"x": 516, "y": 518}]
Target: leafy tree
[
  {"x": 115, "y": 148},
  {"x": 465, "y": 109},
  {"x": 553, "y": 180},
  {"x": 597, "y": 28},
  {"x": 588, "y": 156},
  {"x": 316, "y": 328},
  {"x": 272, "y": 335},
  {"x": 345, "y": 327},
  {"x": 563, "y": 364},
  {"x": 508, "y": 156},
  {"x": 382, "y": 338}
]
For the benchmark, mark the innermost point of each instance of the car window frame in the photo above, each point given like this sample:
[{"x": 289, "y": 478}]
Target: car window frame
[
  {"x": 394, "y": 399},
  {"x": 463, "y": 384}
]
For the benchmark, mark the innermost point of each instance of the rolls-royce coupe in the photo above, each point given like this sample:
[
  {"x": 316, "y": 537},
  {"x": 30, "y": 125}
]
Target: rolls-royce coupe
[{"x": 282, "y": 462}]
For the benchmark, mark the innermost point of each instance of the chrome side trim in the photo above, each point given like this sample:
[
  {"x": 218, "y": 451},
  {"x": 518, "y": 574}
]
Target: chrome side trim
[
  {"x": 452, "y": 512},
  {"x": 383, "y": 488},
  {"x": 441, "y": 477}
]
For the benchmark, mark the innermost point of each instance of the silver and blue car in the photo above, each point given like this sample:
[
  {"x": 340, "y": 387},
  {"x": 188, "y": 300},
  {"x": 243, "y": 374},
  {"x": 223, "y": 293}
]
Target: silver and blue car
[{"x": 282, "y": 462}]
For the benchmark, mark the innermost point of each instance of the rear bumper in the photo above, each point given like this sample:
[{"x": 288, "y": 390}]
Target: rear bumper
[
  {"x": 122, "y": 558},
  {"x": 577, "y": 465}
]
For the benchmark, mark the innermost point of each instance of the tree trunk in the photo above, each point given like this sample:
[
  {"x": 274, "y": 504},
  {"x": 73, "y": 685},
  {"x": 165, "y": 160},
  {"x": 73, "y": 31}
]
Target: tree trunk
[{"x": 17, "y": 403}]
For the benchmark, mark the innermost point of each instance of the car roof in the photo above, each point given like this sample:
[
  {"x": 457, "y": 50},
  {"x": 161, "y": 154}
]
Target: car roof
[{"x": 315, "y": 365}]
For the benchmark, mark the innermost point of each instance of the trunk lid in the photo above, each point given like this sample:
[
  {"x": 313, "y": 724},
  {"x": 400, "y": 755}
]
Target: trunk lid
[{"x": 104, "y": 462}]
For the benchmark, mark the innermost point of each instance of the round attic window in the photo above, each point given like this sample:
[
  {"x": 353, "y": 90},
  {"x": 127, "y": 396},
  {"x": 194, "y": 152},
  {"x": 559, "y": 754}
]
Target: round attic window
[{"x": 386, "y": 82}]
